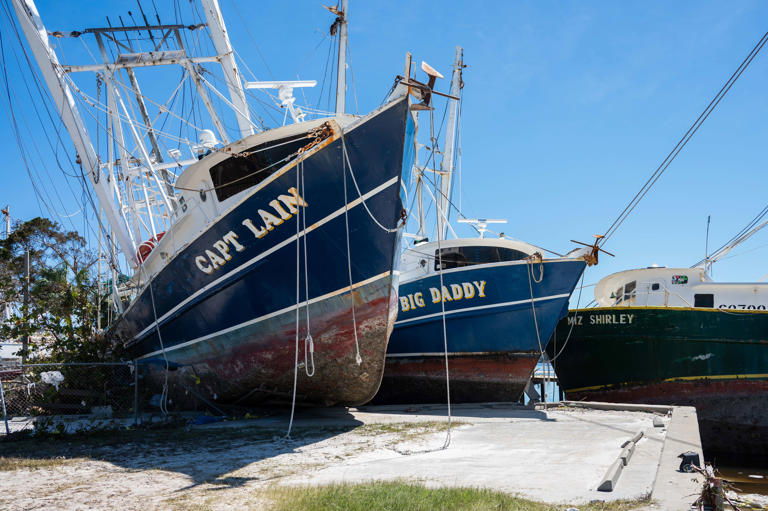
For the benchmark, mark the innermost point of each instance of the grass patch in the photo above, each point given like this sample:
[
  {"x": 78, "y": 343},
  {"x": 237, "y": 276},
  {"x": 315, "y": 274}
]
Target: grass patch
[
  {"x": 11, "y": 463},
  {"x": 407, "y": 430},
  {"x": 395, "y": 496}
]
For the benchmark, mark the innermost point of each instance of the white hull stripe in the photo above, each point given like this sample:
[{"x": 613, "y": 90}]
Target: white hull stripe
[
  {"x": 268, "y": 252},
  {"x": 480, "y": 307},
  {"x": 484, "y": 266},
  {"x": 270, "y": 315}
]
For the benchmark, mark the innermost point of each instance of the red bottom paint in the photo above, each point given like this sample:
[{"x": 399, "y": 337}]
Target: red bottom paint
[
  {"x": 251, "y": 366},
  {"x": 473, "y": 378}
]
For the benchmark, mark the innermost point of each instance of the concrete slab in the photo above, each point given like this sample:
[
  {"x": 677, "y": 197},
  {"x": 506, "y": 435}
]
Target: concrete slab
[
  {"x": 558, "y": 456},
  {"x": 672, "y": 489}
]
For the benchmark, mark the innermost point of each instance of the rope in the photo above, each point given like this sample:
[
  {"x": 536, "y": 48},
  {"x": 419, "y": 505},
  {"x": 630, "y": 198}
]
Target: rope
[
  {"x": 164, "y": 392},
  {"x": 358, "y": 358},
  {"x": 308, "y": 341},
  {"x": 298, "y": 303},
  {"x": 447, "y": 441},
  {"x": 567, "y": 338},
  {"x": 529, "y": 267},
  {"x": 352, "y": 173}
]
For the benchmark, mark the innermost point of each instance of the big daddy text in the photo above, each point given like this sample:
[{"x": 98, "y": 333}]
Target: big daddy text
[{"x": 453, "y": 292}]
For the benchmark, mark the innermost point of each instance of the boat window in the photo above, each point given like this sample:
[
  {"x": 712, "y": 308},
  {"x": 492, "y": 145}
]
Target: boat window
[
  {"x": 456, "y": 257},
  {"x": 704, "y": 300},
  {"x": 251, "y": 167},
  {"x": 655, "y": 286},
  {"x": 618, "y": 295},
  {"x": 629, "y": 290}
]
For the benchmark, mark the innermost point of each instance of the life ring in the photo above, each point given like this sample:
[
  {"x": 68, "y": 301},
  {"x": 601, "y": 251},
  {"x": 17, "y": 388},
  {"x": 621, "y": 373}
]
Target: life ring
[{"x": 146, "y": 247}]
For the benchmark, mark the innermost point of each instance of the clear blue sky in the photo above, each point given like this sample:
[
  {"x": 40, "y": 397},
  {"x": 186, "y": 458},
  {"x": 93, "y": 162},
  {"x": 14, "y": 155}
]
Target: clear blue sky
[{"x": 568, "y": 108}]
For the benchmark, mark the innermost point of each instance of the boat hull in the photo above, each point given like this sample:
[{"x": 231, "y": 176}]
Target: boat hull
[
  {"x": 492, "y": 340},
  {"x": 230, "y": 334},
  {"x": 714, "y": 360}
]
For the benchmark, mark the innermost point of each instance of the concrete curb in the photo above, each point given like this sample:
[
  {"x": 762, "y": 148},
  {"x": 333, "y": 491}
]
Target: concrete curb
[
  {"x": 619, "y": 407},
  {"x": 611, "y": 477},
  {"x": 673, "y": 490}
]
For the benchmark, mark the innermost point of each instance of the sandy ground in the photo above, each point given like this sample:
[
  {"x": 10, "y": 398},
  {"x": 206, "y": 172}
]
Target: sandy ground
[{"x": 556, "y": 456}]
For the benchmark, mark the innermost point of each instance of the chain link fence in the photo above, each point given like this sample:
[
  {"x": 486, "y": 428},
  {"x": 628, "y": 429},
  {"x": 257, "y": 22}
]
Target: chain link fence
[
  {"x": 92, "y": 394},
  {"x": 33, "y": 391}
]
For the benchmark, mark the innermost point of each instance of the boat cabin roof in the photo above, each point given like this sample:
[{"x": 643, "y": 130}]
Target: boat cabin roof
[{"x": 683, "y": 284}]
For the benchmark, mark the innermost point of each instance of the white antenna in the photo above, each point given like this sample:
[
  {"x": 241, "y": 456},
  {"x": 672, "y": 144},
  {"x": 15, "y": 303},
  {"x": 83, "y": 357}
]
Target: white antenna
[
  {"x": 481, "y": 224},
  {"x": 285, "y": 93},
  {"x": 446, "y": 165}
]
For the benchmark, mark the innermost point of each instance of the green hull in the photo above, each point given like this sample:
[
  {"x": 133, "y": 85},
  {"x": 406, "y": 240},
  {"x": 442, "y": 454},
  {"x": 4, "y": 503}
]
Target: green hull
[{"x": 712, "y": 359}]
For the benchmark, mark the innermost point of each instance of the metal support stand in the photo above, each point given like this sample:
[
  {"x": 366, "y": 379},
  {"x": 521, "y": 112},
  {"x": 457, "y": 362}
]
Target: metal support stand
[
  {"x": 5, "y": 415},
  {"x": 135, "y": 393}
]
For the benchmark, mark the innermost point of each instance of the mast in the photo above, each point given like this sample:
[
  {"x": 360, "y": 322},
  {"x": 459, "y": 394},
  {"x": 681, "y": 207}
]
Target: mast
[
  {"x": 446, "y": 165},
  {"x": 52, "y": 72},
  {"x": 341, "y": 76},
  {"x": 223, "y": 47}
]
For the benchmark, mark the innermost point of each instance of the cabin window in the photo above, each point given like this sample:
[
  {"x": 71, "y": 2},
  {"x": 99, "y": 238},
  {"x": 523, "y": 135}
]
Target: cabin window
[
  {"x": 704, "y": 300},
  {"x": 457, "y": 257},
  {"x": 617, "y": 295},
  {"x": 251, "y": 167},
  {"x": 655, "y": 286},
  {"x": 629, "y": 290}
]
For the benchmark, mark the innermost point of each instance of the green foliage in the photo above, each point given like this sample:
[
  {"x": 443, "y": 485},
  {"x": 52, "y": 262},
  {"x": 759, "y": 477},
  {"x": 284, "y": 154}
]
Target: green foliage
[{"x": 60, "y": 318}]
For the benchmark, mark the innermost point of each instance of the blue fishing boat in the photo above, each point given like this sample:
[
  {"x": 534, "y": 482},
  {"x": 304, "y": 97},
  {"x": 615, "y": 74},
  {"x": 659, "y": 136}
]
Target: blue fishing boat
[
  {"x": 488, "y": 305},
  {"x": 494, "y": 306},
  {"x": 267, "y": 266}
]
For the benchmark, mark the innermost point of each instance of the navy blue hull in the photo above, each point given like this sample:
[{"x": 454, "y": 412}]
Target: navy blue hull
[
  {"x": 232, "y": 326},
  {"x": 492, "y": 338}
]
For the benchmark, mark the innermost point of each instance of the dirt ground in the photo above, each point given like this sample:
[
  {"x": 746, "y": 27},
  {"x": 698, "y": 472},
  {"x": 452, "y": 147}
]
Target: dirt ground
[{"x": 206, "y": 468}]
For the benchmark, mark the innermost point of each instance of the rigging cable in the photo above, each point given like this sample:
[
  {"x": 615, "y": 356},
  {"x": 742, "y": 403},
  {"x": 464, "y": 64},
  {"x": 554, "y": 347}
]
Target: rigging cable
[{"x": 683, "y": 142}]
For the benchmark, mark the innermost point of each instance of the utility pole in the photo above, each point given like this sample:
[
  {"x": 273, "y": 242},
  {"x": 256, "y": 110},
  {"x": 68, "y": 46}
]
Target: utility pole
[
  {"x": 25, "y": 340},
  {"x": 341, "y": 76}
]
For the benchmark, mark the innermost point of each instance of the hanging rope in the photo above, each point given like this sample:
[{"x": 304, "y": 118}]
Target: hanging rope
[
  {"x": 296, "y": 325},
  {"x": 570, "y": 331},
  {"x": 309, "y": 344},
  {"x": 529, "y": 267},
  {"x": 447, "y": 441},
  {"x": 357, "y": 188},
  {"x": 358, "y": 358},
  {"x": 164, "y": 392}
]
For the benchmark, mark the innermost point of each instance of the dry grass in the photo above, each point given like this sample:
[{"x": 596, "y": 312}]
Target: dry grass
[{"x": 12, "y": 463}]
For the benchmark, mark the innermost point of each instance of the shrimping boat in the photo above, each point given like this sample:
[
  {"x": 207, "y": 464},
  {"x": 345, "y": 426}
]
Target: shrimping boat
[
  {"x": 262, "y": 253},
  {"x": 488, "y": 305},
  {"x": 674, "y": 336}
]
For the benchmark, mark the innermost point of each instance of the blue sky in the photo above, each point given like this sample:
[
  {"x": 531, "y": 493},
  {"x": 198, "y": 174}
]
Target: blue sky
[{"x": 568, "y": 108}]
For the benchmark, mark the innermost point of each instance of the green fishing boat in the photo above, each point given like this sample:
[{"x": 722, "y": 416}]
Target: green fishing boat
[{"x": 673, "y": 336}]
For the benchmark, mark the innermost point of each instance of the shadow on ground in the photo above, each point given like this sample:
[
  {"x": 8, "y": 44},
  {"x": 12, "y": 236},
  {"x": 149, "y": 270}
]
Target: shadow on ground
[
  {"x": 206, "y": 453},
  {"x": 465, "y": 410}
]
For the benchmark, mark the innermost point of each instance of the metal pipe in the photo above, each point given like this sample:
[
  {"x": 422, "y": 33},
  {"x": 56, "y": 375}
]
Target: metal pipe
[
  {"x": 341, "y": 72},
  {"x": 135, "y": 392},
  {"x": 5, "y": 415}
]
